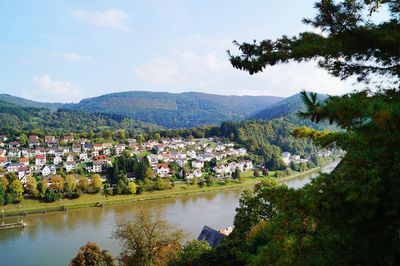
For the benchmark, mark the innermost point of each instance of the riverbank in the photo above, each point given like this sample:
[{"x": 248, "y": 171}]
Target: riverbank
[{"x": 31, "y": 206}]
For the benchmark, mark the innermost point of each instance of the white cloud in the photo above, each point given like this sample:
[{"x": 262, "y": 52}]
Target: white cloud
[
  {"x": 158, "y": 71},
  {"x": 71, "y": 57},
  {"x": 54, "y": 90},
  {"x": 187, "y": 70},
  {"x": 109, "y": 18}
]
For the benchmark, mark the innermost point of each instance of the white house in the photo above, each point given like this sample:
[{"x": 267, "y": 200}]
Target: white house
[
  {"x": 57, "y": 160},
  {"x": 197, "y": 164},
  {"x": 69, "y": 166},
  {"x": 162, "y": 169},
  {"x": 46, "y": 171},
  {"x": 40, "y": 160}
]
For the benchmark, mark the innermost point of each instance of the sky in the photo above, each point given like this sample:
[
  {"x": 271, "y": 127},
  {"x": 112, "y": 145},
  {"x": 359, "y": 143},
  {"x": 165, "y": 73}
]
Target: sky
[{"x": 67, "y": 50}]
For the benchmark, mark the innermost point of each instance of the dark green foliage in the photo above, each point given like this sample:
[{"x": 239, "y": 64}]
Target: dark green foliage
[
  {"x": 51, "y": 195},
  {"x": 351, "y": 216},
  {"x": 14, "y": 118}
]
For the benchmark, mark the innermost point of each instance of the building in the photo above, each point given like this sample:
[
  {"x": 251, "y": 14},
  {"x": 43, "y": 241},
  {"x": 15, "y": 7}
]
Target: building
[
  {"x": 211, "y": 236},
  {"x": 40, "y": 160}
]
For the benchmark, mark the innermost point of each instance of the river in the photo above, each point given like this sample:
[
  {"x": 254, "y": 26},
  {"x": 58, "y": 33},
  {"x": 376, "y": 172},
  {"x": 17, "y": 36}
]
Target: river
[{"x": 54, "y": 238}]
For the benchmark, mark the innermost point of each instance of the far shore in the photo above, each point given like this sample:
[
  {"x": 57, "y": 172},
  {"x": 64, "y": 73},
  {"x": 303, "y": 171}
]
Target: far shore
[{"x": 31, "y": 206}]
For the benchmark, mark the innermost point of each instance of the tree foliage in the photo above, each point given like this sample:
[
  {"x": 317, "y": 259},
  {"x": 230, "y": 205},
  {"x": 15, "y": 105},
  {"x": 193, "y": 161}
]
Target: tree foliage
[{"x": 148, "y": 239}]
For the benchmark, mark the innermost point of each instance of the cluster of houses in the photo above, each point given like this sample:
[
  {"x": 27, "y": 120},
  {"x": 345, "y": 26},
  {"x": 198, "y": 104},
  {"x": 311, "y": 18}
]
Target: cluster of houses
[
  {"x": 48, "y": 155},
  {"x": 195, "y": 153},
  {"x": 287, "y": 157}
]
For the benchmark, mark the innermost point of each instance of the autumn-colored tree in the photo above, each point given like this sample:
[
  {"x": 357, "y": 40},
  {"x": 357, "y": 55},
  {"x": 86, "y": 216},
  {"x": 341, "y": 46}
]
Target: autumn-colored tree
[
  {"x": 16, "y": 190},
  {"x": 97, "y": 183},
  {"x": 70, "y": 184},
  {"x": 83, "y": 184},
  {"x": 148, "y": 239},
  {"x": 31, "y": 186},
  {"x": 92, "y": 255},
  {"x": 57, "y": 183}
]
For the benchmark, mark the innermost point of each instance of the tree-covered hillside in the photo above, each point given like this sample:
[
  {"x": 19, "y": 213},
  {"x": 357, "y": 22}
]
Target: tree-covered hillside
[
  {"x": 21, "y": 102},
  {"x": 175, "y": 110},
  {"x": 14, "y": 118},
  {"x": 289, "y": 106}
]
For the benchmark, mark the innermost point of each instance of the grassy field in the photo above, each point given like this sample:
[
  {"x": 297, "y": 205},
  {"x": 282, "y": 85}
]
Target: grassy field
[{"x": 91, "y": 200}]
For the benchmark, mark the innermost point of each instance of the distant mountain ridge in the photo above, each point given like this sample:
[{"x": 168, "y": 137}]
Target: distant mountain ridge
[
  {"x": 289, "y": 106},
  {"x": 178, "y": 110},
  {"x": 175, "y": 110},
  {"x": 22, "y": 102}
]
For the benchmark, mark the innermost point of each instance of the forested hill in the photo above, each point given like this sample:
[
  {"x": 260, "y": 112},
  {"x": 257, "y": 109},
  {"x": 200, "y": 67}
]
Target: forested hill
[
  {"x": 21, "y": 102},
  {"x": 286, "y": 107},
  {"x": 176, "y": 110},
  {"x": 14, "y": 118}
]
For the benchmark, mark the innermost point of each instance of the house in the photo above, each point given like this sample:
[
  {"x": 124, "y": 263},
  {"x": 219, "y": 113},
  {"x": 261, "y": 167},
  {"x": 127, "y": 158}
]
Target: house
[
  {"x": 286, "y": 157},
  {"x": 76, "y": 148},
  {"x": 219, "y": 169},
  {"x": 49, "y": 139},
  {"x": 70, "y": 158},
  {"x": 197, "y": 173},
  {"x": 191, "y": 154},
  {"x": 107, "y": 145},
  {"x": 3, "y": 161},
  {"x": 95, "y": 153},
  {"x": 33, "y": 140},
  {"x": 119, "y": 148},
  {"x": 68, "y": 138},
  {"x": 40, "y": 160},
  {"x": 24, "y": 161},
  {"x": 103, "y": 159},
  {"x": 69, "y": 166},
  {"x": 46, "y": 171},
  {"x": 181, "y": 162},
  {"x": 95, "y": 167},
  {"x": 57, "y": 160},
  {"x": 106, "y": 152},
  {"x": 162, "y": 169},
  {"x": 153, "y": 159},
  {"x": 197, "y": 164},
  {"x": 14, "y": 153},
  {"x": 83, "y": 157},
  {"x": 14, "y": 167},
  {"x": 87, "y": 147},
  {"x": 211, "y": 236},
  {"x": 97, "y": 147}
]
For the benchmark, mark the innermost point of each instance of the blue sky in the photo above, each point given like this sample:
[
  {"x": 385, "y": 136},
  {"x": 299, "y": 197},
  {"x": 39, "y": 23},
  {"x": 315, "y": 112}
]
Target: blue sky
[{"x": 68, "y": 50}]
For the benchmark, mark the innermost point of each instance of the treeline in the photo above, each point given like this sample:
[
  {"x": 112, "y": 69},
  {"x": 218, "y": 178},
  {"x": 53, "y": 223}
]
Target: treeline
[{"x": 15, "y": 119}]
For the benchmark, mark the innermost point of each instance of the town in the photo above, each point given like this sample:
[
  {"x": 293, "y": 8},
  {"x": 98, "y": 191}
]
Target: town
[{"x": 51, "y": 156}]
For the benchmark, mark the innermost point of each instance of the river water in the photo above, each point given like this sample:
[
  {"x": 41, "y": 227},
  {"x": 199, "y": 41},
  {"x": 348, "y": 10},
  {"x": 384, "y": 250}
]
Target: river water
[{"x": 54, "y": 238}]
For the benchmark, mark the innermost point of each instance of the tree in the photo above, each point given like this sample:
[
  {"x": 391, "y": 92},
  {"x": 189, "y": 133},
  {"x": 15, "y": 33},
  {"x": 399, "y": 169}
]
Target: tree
[
  {"x": 190, "y": 253},
  {"x": 145, "y": 239},
  {"x": 4, "y": 183},
  {"x": 92, "y": 255},
  {"x": 132, "y": 187},
  {"x": 97, "y": 183},
  {"x": 31, "y": 186},
  {"x": 42, "y": 187},
  {"x": 83, "y": 184},
  {"x": 57, "y": 183},
  {"x": 16, "y": 190},
  {"x": 23, "y": 140},
  {"x": 348, "y": 217},
  {"x": 70, "y": 184},
  {"x": 236, "y": 173},
  {"x": 140, "y": 139},
  {"x": 157, "y": 136}
]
